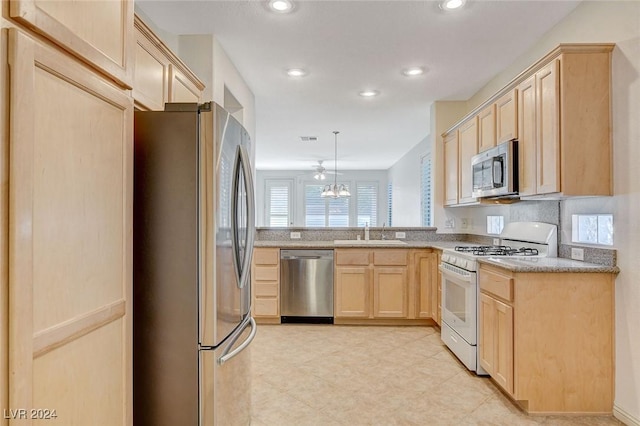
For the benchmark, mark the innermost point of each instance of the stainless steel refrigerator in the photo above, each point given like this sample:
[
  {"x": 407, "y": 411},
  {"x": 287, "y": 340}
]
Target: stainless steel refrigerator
[{"x": 193, "y": 242}]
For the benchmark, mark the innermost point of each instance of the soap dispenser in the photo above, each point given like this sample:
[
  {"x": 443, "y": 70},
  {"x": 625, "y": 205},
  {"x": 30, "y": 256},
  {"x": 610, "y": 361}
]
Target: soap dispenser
[{"x": 366, "y": 231}]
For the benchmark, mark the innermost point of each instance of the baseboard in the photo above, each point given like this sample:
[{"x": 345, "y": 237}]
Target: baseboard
[{"x": 625, "y": 417}]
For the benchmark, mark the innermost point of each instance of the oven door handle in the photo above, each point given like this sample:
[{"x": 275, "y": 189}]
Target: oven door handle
[{"x": 453, "y": 275}]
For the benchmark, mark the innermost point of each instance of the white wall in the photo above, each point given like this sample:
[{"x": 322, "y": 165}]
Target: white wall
[
  {"x": 617, "y": 22},
  {"x": 207, "y": 59},
  {"x": 301, "y": 177},
  {"x": 405, "y": 176}
]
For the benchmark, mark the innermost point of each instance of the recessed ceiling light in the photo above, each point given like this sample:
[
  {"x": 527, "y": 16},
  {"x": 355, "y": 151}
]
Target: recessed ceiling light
[
  {"x": 413, "y": 71},
  {"x": 452, "y": 4},
  {"x": 296, "y": 72},
  {"x": 369, "y": 93},
  {"x": 280, "y": 6}
]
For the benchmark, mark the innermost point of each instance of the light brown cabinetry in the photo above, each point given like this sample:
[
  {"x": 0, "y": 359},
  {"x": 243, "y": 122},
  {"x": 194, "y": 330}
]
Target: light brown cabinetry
[
  {"x": 547, "y": 338},
  {"x": 451, "y": 169},
  {"x": 70, "y": 238},
  {"x": 507, "y": 116},
  {"x": 496, "y": 328},
  {"x": 468, "y": 141},
  {"x": 265, "y": 281},
  {"x": 371, "y": 284},
  {"x": 487, "y": 128},
  {"x": 98, "y": 32},
  {"x": 160, "y": 76},
  {"x": 426, "y": 285},
  {"x": 563, "y": 126}
]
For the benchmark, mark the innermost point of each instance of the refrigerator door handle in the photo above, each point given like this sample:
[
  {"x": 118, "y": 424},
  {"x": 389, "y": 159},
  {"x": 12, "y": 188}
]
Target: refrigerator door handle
[
  {"x": 241, "y": 164},
  {"x": 229, "y": 355},
  {"x": 251, "y": 220}
]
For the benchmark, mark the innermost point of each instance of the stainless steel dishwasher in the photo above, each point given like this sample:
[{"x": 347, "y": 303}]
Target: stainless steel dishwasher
[{"x": 306, "y": 286}]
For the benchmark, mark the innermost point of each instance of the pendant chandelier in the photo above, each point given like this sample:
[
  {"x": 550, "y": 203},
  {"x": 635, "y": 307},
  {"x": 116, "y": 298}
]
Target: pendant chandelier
[{"x": 335, "y": 190}]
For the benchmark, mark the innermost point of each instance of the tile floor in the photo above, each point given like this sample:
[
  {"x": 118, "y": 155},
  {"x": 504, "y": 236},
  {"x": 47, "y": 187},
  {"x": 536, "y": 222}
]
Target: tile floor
[{"x": 343, "y": 375}]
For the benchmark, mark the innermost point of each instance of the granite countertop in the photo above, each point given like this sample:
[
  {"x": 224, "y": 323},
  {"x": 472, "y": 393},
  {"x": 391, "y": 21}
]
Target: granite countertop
[
  {"x": 520, "y": 264},
  {"x": 299, "y": 244},
  {"x": 547, "y": 264}
]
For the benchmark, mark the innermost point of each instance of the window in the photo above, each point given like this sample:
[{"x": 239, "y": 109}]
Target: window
[
  {"x": 323, "y": 212},
  {"x": 425, "y": 189},
  {"x": 390, "y": 204},
  {"x": 278, "y": 202},
  {"x": 367, "y": 203},
  {"x": 495, "y": 224},
  {"x": 592, "y": 229},
  {"x": 315, "y": 206}
]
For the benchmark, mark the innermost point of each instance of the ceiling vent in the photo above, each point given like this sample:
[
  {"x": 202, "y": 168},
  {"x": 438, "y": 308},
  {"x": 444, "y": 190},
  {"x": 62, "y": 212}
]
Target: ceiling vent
[{"x": 308, "y": 138}]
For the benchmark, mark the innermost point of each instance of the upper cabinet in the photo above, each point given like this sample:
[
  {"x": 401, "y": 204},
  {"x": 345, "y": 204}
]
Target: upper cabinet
[
  {"x": 160, "y": 76},
  {"x": 566, "y": 125},
  {"x": 507, "y": 116},
  {"x": 451, "y": 169},
  {"x": 98, "y": 32},
  {"x": 487, "y": 128},
  {"x": 559, "y": 109},
  {"x": 468, "y": 140}
]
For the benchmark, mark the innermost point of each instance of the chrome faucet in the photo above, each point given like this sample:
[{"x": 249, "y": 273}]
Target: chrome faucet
[{"x": 382, "y": 236}]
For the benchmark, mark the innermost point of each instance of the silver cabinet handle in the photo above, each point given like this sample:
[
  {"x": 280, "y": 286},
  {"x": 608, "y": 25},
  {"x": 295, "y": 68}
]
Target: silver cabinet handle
[{"x": 227, "y": 356}]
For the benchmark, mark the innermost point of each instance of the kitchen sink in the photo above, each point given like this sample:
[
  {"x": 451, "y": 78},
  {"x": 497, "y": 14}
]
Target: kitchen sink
[{"x": 370, "y": 242}]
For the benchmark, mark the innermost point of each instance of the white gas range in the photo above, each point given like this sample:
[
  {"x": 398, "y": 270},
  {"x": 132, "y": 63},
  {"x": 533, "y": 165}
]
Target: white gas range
[{"x": 460, "y": 291}]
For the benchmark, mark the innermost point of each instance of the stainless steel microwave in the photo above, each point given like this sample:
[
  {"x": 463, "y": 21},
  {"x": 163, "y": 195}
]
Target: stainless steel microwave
[{"x": 495, "y": 171}]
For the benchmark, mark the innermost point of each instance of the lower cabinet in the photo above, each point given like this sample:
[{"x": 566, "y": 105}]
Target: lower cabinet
[
  {"x": 496, "y": 340},
  {"x": 352, "y": 290},
  {"x": 547, "y": 338},
  {"x": 385, "y": 285},
  {"x": 371, "y": 284},
  {"x": 265, "y": 281},
  {"x": 424, "y": 263}
]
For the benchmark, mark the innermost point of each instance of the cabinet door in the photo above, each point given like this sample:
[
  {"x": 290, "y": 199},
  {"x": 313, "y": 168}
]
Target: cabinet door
[
  {"x": 70, "y": 239},
  {"x": 390, "y": 292},
  {"x": 425, "y": 285},
  {"x": 352, "y": 292},
  {"x": 507, "y": 117},
  {"x": 548, "y": 129},
  {"x": 468, "y": 148},
  {"x": 100, "y": 32},
  {"x": 439, "y": 296},
  {"x": 486, "y": 332},
  {"x": 451, "y": 169},
  {"x": 487, "y": 128},
  {"x": 182, "y": 89},
  {"x": 527, "y": 136},
  {"x": 151, "y": 76},
  {"x": 503, "y": 346}
]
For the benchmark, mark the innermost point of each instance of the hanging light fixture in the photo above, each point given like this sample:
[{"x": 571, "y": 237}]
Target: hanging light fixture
[{"x": 335, "y": 190}]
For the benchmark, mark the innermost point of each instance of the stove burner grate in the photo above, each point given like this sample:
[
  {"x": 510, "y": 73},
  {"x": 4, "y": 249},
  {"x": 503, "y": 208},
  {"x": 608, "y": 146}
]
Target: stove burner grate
[{"x": 498, "y": 251}]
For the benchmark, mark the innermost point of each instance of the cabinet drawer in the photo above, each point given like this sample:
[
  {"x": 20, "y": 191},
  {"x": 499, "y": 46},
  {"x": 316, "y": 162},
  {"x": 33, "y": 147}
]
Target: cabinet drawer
[
  {"x": 265, "y": 307},
  {"x": 266, "y": 273},
  {"x": 352, "y": 257},
  {"x": 269, "y": 289},
  {"x": 497, "y": 284},
  {"x": 393, "y": 257},
  {"x": 266, "y": 256}
]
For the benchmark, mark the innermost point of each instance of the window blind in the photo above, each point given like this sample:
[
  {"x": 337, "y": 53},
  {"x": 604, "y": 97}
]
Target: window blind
[
  {"x": 390, "y": 204},
  {"x": 367, "y": 203},
  {"x": 425, "y": 189},
  {"x": 278, "y": 208}
]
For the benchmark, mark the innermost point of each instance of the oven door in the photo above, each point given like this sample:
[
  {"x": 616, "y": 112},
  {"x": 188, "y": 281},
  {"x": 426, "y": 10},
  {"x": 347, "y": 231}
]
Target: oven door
[{"x": 459, "y": 301}]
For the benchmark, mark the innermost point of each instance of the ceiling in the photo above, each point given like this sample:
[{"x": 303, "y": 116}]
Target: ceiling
[{"x": 350, "y": 46}]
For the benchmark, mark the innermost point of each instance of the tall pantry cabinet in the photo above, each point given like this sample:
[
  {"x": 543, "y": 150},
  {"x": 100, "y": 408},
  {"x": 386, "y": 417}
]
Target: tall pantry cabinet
[{"x": 67, "y": 174}]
